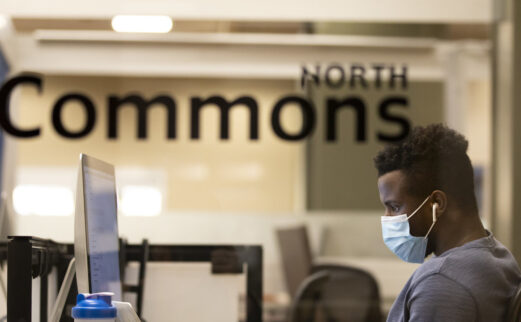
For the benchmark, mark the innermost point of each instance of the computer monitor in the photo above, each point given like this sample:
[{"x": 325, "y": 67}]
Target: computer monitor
[{"x": 96, "y": 244}]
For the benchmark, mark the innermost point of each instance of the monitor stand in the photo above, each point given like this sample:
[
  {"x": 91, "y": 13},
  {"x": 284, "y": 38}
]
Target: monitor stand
[{"x": 64, "y": 291}]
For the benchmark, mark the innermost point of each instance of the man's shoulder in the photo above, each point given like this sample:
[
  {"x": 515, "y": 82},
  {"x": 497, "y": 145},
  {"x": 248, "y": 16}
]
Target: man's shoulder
[
  {"x": 480, "y": 258},
  {"x": 479, "y": 265},
  {"x": 431, "y": 267},
  {"x": 464, "y": 278}
]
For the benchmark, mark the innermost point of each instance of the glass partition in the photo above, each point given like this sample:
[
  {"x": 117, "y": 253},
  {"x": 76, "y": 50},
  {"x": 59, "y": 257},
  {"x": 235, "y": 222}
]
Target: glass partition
[{"x": 232, "y": 128}]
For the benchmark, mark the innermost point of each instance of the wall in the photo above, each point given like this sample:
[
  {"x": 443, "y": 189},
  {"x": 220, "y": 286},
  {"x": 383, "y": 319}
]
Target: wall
[
  {"x": 206, "y": 174},
  {"x": 341, "y": 174}
]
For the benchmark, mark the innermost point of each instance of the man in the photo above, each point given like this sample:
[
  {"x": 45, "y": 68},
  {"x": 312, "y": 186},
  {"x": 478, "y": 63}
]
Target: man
[{"x": 426, "y": 185}]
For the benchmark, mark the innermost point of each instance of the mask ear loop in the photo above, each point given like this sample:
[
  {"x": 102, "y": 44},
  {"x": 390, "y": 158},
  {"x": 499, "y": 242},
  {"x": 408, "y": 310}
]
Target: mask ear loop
[
  {"x": 433, "y": 219},
  {"x": 415, "y": 211}
]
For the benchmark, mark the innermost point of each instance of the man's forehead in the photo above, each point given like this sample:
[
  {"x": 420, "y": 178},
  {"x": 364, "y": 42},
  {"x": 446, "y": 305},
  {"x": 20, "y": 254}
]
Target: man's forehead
[{"x": 391, "y": 182}]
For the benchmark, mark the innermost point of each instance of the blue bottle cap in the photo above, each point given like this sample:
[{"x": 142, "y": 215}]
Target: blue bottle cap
[{"x": 94, "y": 306}]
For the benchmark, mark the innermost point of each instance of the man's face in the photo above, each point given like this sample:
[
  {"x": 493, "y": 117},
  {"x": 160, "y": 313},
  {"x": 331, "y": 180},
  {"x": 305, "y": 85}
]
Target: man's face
[{"x": 397, "y": 200}]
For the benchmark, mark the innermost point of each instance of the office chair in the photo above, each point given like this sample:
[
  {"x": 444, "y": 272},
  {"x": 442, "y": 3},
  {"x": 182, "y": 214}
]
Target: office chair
[
  {"x": 514, "y": 307},
  {"x": 337, "y": 294}
]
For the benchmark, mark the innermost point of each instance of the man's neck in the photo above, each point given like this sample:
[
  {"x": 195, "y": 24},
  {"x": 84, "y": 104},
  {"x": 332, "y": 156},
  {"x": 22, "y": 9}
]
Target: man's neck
[{"x": 457, "y": 230}]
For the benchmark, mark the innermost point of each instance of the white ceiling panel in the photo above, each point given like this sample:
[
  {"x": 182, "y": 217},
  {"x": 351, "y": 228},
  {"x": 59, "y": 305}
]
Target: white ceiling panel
[{"x": 421, "y": 11}]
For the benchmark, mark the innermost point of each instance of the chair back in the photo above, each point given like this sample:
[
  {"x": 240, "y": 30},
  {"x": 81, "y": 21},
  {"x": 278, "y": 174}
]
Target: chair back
[
  {"x": 296, "y": 257},
  {"x": 337, "y": 294}
]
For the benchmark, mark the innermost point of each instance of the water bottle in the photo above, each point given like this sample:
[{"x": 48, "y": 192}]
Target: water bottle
[{"x": 96, "y": 307}]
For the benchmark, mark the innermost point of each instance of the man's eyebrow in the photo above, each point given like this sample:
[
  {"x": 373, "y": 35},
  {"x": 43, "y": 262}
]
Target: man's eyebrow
[{"x": 389, "y": 202}]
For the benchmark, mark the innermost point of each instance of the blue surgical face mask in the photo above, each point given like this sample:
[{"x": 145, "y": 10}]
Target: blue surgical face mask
[{"x": 397, "y": 236}]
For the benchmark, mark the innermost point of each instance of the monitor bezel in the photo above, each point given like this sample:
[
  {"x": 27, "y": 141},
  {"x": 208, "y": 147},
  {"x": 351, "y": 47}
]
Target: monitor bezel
[{"x": 82, "y": 242}]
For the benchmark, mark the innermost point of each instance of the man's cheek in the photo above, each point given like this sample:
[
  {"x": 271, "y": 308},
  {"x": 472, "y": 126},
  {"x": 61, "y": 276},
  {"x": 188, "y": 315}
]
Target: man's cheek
[{"x": 416, "y": 228}]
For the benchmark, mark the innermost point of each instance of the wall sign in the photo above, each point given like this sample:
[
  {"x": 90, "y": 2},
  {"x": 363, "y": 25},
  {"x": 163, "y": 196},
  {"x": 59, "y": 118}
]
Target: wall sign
[{"x": 334, "y": 76}]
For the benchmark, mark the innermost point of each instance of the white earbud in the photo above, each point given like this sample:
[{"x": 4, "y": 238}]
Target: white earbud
[{"x": 434, "y": 207}]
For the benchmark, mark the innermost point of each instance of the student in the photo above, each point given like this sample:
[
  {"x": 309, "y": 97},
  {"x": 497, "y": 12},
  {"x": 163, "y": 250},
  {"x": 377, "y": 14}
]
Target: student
[{"x": 426, "y": 185}]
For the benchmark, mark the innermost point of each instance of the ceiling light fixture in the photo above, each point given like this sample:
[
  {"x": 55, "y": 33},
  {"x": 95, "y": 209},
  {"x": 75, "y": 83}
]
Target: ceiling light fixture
[
  {"x": 3, "y": 21},
  {"x": 153, "y": 24}
]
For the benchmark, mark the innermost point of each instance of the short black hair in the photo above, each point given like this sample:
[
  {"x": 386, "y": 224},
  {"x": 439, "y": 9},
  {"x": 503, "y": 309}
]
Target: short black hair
[{"x": 433, "y": 157}]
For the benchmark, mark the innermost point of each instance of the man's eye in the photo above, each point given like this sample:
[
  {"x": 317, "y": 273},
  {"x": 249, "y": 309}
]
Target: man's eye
[{"x": 395, "y": 208}]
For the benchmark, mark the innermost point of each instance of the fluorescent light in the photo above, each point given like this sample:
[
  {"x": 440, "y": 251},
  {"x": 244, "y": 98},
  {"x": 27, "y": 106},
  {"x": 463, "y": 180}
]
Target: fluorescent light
[
  {"x": 193, "y": 172},
  {"x": 140, "y": 200},
  {"x": 158, "y": 24},
  {"x": 43, "y": 200},
  {"x": 243, "y": 172},
  {"x": 3, "y": 21}
]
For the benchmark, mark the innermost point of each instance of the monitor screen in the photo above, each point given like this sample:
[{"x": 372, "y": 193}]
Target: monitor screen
[{"x": 99, "y": 222}]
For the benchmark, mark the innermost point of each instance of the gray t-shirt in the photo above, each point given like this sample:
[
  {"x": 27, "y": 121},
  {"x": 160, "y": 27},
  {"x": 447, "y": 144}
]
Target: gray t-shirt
[{"x": 473, "y": 282}]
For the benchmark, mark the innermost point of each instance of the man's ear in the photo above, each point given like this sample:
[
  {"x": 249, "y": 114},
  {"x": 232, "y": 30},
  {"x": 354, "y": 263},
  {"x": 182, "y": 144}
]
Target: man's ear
[{"x": 440, "y": 198}]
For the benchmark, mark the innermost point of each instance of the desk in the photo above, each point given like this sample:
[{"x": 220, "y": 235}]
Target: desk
[
  {"x": 29, "y": 257},
  {"x": 391, "y": 274},
  {"x": 178, "y": 291}
]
